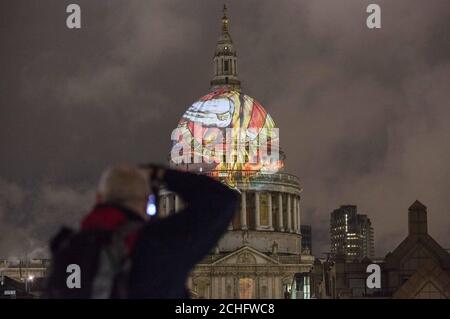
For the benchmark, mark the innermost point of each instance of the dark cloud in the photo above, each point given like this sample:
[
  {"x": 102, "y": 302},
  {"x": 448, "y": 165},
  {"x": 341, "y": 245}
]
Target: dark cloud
[
  {"x": 29, "y": 218},
  {"x": 363, "y": 115}
]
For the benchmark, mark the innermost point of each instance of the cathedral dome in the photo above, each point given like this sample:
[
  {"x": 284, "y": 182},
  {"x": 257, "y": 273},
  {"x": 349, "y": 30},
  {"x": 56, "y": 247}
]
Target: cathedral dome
[{"x": 228, "y": 130}]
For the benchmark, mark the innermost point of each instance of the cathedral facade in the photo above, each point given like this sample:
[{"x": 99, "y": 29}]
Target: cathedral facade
[{"x": 260, "y": 256}]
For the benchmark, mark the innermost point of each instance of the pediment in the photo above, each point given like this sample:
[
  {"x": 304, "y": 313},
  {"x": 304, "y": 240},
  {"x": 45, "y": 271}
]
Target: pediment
[{"x": 246, "y": 256}]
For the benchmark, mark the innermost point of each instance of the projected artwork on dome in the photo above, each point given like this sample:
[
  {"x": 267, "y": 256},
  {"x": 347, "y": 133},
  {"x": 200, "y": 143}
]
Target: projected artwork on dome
[{"x": 227, "y": 130}]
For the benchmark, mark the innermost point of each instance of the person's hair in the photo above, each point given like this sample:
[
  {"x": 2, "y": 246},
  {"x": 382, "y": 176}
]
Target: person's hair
[{"x": 123, "y": 185}]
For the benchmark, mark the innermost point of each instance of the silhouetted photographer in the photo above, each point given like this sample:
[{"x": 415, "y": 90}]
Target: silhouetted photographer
[{"x": 121, "y": 252}]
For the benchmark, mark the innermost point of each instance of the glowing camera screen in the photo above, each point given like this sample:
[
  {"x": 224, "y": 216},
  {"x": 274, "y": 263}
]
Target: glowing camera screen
[{"x": 151, "y": 205}]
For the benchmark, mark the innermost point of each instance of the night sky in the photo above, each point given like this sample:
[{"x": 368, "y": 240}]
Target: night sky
[{"x": 364, "y": 115}]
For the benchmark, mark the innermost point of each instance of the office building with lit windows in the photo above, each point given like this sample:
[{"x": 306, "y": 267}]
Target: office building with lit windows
[{"x": 351, "y": 233}]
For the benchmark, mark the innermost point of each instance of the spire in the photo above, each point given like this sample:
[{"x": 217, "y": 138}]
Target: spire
[
  {"x": 225, "y": 59},
  {"x": 224, "y": 20}
]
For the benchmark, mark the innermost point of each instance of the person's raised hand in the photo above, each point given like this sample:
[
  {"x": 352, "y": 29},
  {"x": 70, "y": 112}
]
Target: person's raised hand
[{"x": 154, "y": 172}]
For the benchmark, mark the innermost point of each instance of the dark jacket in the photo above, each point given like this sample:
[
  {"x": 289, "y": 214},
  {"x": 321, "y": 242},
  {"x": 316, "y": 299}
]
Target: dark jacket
[{"x": 164, "y": 251}]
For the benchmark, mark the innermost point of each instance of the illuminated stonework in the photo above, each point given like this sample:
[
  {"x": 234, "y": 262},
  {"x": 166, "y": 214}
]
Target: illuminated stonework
[{"x": 260, "y": 255}]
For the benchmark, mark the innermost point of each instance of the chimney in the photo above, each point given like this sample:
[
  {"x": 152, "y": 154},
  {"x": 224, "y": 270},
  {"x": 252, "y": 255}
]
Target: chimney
[{"x": 417, "y": 219}]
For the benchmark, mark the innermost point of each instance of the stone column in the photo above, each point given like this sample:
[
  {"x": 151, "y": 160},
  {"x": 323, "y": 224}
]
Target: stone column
[
  {"x": 223, "y": 285},
  {"x": 177, "y": 203},
  {"x": 160, "y": 208},
  {"x": 243, "y": 210},
  {"x": 269, "y": 208},
  {"x": 278, "y": 289},
  {"x": 294, "y": 212},
  {"x": 257, "y": 212},
  {"x": 218, "y": 285},
  {"x": 289, "y": 213},
  {"x": 280, "y": 212},
  {"x": 167, "y": 211},
  {"x": 299, "y": 216},
  {"x": 216, "y": 281}
]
